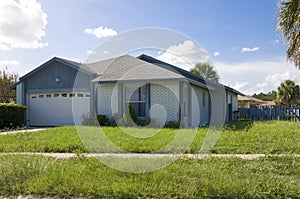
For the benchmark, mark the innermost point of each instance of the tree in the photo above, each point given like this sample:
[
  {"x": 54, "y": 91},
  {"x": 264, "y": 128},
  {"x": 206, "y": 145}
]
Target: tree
[
  {"x": 206, "y": 70},
  {"x": 288, "y": 93},
  {"x": 7, "y": 79},
  {"x": 289, "y": 25},
  {"x": 270, "y": 96}
]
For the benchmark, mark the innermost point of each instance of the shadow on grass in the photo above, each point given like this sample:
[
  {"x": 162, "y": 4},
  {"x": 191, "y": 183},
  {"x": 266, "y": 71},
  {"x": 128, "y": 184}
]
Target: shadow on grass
[{"x": 241, "y": 125}]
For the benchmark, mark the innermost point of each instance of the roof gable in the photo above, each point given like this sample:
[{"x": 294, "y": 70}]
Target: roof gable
[{"x": 74, "y": 65}]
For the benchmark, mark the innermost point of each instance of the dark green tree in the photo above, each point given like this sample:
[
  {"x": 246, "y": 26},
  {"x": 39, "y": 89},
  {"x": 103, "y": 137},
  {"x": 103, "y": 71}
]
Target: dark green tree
[
  {"x": 206, "y": 70},
  {"x": 288, "y": 93},
  {"x": 270, "y": 96},
  {"x": 7, "y": 79},
  {"x": 289, "y": 25}
]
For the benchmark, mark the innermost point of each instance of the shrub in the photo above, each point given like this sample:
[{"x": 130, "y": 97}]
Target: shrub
[
  {"x": 90, "y": 121},
  {"x": 130, "y": 116},
  {"x": 11, "y": 115},
  {"x": 172, "y": 124},
  {"x": 103, "y": 120},
  {"x": 143, "y": 122}
]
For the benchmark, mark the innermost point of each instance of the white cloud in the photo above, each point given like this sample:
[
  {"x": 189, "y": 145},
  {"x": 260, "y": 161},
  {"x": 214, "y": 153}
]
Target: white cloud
[
  {"x": 278, "y": 78},
  {"x": 9, "y": 63},
  {"x": 240, "y": 85},
  {"x": 257, "y": 76},
  {"x": 184, "y": 55},
  {"x": 216, "y": 54},
  {"x": 245, "y": 49},
  {"x": 91, "y": 52},
  {"x": 22, "y": 24},
  {"x": 101, "y": 32},
  {"x": 3, "y": 47}
]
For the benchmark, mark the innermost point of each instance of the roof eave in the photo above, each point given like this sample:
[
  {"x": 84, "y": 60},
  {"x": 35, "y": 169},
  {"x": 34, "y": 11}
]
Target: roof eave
[
  {"x": 137, "y": 80},
  {"x": 55, "y": 59}
]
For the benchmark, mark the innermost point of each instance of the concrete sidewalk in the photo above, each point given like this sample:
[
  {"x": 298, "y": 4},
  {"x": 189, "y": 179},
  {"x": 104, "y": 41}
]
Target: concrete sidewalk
[
  {"x": 22, "y": 131},
  {"x": 148, "y": 155}
]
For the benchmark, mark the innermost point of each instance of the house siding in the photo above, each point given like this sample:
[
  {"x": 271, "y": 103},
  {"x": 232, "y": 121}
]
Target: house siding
[
  {"x": 162, "y": 93},
  {"x": 235, "y": 106},
  {"x": 45, "y": 79},
  {"x": 107, "y": 96},
  {"x": 19, "y": 94},
  {"x": 233, "y": 100},
  {"x": 166, "y": 94},
  {"x": 200, "y": 110}
]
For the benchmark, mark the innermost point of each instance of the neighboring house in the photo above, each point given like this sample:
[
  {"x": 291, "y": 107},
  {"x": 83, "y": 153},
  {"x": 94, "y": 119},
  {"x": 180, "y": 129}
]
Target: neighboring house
[
  {"x": 247, "y": 101},
  {"x": 269, "y": 103},
  {"x": 61, "y": 91}
]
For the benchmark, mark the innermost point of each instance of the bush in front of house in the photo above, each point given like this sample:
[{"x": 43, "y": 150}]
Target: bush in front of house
[
  {"x": 101, "y": 120},
  {"x": 130, "y": 116},
  {"x": 172, "y": 124},
  {"x": 90, "y": 121},
  {"x": 11, "y": 115}
]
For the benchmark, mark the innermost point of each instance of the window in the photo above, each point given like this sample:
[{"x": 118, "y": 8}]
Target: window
[
  {"x": 33, "y": 97},
  {"x": 48, "y": 96},
  {"x": 87, "y": 95},
  {"x": 71, "y": 95},
  {"x": 79, "y": 95},
  {"x": 203, "y": 99},
  {"x": 41, "y": 96},
  {"x": 64, "y": 95},
  {"x": 56, "y": 95},
  {"x": 137, "y": 99}
]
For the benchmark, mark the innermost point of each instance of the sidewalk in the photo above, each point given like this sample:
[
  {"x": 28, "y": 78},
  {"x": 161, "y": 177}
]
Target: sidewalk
[
  {"x": 22, "y": 131},
  {"x": 148, "y": 155}
]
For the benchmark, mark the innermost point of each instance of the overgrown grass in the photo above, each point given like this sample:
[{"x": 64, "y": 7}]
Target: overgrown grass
[
  {"x": 61, "y": 139},
  {"x": 269, "y": 177},
  {"x": 274, "y": 137}
]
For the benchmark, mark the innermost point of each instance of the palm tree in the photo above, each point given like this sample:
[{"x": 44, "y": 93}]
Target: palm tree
[
  {"x": 288, "y": 93},
  {"x": 206, "y": 70},
  {"x": 289, "y": 25}
]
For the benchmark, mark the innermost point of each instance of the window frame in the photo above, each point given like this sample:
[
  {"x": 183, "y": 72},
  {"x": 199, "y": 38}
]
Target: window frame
[{"x": 141, "y": 101}]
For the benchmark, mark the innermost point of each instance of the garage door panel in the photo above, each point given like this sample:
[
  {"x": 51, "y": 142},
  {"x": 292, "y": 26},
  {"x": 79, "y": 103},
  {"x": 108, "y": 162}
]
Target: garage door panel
[{"x": 56, "y": 111}]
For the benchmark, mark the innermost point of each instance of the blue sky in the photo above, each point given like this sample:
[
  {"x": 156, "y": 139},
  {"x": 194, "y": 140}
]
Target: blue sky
[{"x": 240, "y": 36}]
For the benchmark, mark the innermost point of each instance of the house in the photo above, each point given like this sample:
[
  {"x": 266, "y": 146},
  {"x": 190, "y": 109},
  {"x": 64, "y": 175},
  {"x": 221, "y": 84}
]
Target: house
[
  {"x": 269, "y": 103},
  {"x": 63, "y": 92},
  {"x": 246, "y": 101}
]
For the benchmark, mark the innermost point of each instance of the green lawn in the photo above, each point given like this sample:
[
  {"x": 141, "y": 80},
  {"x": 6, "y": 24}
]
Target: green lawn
[
  {"x": 269, "y": 177},
  {"x": 274, "y": 137}
]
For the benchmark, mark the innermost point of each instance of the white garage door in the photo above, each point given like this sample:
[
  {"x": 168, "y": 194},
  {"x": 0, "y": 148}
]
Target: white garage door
[{"x": 56, "y": 109}]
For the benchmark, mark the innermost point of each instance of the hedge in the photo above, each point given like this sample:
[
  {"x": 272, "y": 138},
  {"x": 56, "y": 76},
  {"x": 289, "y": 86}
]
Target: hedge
[{"x": 11, "y": 115}]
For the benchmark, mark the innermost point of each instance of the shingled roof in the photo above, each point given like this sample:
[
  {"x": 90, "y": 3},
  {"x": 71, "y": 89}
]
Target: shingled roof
[
  {"x": 128, "y": 68},
  {"x": 186, "y": 74}
]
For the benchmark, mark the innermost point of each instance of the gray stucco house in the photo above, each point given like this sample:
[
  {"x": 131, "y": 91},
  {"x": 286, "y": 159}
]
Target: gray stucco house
[{"x": 63, "y": 92}]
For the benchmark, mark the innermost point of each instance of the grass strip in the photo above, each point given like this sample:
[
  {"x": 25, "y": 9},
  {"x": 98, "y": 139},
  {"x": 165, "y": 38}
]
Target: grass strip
[
  {"x": 273, "y": 137},
  {"x": 268, "y": 177}
]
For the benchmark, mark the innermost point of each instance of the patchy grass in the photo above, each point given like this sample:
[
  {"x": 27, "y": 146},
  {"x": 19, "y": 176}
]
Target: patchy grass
[
  {"x": 274, "y": 137},
  {"x": 61, "y": 139},
  {"x": 271, "y": 137},
  {"x": 269, "y": 177}
]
